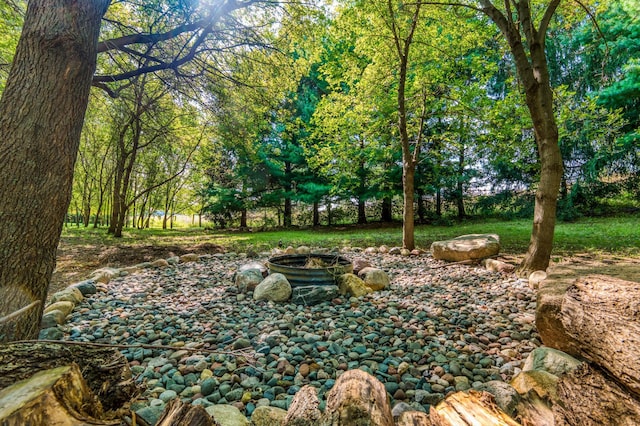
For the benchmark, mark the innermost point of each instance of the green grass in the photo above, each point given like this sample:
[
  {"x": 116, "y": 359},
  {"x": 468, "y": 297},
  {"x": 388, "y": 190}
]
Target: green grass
[{"x": 613, "y": 235}]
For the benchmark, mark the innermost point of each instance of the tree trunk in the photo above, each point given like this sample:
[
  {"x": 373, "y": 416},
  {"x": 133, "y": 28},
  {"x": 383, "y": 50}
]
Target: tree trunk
[
  {"x": 243, "y": 218},
  {"x": 590, "y": 306},
  {"x": 178, "y": 413},
  {"x": 357, "y": 398},
  {"x": 408, "y": 173},
  {"x": 316, "y": 213},
  {"x": 386, "y": 215},
  {"x": 329, "y": 213},
  {"x": 589, "y": 398},
  {"x": 459, "y": 184},
  {"x": 362, "y": 213},
  {"x": 59, "y": 396},
  {"x": 105, "y": 370},
  {"x": 438, "y": 202},
  {"x": 41, "y": 115},
  {"x": 532, "y": 69},
  {"x": 472, "y": 408}
]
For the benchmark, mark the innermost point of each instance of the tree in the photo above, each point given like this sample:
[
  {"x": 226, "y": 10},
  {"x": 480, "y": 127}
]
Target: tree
[{"x": 41, "y": 115}]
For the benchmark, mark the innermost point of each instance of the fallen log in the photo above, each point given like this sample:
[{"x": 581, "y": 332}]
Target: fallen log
[
  {"x": 472, "y": 408},
  {"x": 177, "y": 413},
  {"x": 600, "y": 317},
  {"x": 57, "y": 396},
  {"x": 105, "y": 370},
  {"x": 357, "y": 398},
  {"x": 304, "y": 409},
  {"x": 414, "y": 418},
  {"x": 591, "y": 398}
]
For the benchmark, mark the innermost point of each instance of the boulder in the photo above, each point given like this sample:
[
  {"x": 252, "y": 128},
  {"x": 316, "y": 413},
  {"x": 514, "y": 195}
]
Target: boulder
[
  {"x": 550, "y": 360},
  {"x": 65, "y": 307},
  {"x": 268, "y": 416},
  {"x": 248, "y": 280},
  {"x": 52, "y": 319},
  {"x": 275, "y": 287},
  {"x": 160, "y": 263},
  {"x": 303, "y": 250},
  {"x": 359, "y": 264},
  {"x": 227, "y": 415},
  {"x": 505, "y": 395},
  {"x": 86, "y": 287},
  {"x": 405, "y": 252},
  {"x": 69, "y": 294},
  {"x": 313, "y": 294},
  {"x": 466, "y": 247},
  {"x": 395, "y": 250},
  {"x": 494, "y": 265},
  {"x": 255, "y": 265},
  {"x": 350, "y": 284},
  {"x": 189, "y": 257},
  {"x": 374, "y": 278},
  {"x": 543, "y": 383}
]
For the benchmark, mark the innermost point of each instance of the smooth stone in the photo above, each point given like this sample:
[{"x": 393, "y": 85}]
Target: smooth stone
[{"x": 227, "y": 415}]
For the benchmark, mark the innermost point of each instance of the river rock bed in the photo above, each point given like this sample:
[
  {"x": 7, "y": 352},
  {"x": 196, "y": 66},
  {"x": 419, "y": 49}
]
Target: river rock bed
[{"x": 433, "y": 331}]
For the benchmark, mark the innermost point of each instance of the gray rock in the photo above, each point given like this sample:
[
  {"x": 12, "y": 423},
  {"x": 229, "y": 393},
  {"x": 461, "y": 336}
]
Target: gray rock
[
  {"x": 86, "y": 287},
  {"x": 400, "y": 408},
  {"x": 248, "y": 279},
  {"x": 313, "y": 294},
  {"x": 254, "y": 265},
  {"x": 265, "y": 415},
  {"x": 550, "y": 360},
  {"x": 374, "y": 278},
  {"x": 52, "y": 333},
  {"x": 505, "y": 395},
  {"x": 151, "y": 414},
  {"x": 466, "y": 247},
  {"x": 275, "y": 287},
  {"x": 227, "y": 415},
  {"x": 52, "y": 318}
]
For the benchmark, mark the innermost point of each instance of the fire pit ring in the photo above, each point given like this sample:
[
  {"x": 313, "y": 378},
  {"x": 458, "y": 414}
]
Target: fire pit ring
[{"x": 294, "y": 267}]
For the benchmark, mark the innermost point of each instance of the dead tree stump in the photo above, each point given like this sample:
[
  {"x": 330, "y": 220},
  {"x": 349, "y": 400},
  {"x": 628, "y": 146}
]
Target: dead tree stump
[
  {"x": 105, "y": 370},
  {"x": 58, "y": 396},
  {"x": 472, "y": 408}
]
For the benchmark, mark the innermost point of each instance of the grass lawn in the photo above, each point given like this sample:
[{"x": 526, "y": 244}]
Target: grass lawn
[{"x": 612, "y": 235}]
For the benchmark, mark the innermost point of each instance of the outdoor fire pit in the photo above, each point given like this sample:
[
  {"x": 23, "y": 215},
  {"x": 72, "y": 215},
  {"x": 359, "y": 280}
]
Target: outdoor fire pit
[{"x": 310, "y": 269}]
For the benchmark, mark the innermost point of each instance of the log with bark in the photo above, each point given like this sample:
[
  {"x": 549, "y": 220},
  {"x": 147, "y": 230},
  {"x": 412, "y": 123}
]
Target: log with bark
[
  {"x": 357, "y": 398},
  {"x": 105, "y": 370},
  {"x": 598, "y": 319},
  {"x": 178, "y": 413},
  {"x": 590, "y": 397},
  {"x": 469, "y": 408},
  {"x": 58, "y": 396}
]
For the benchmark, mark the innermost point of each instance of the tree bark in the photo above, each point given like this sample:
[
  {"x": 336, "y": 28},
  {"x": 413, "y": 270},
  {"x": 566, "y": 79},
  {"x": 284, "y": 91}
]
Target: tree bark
[
  {"x": 41, "y": 115},
  {"x": 58, "y": 396},
  {"x": 316, "y": 213},
  {"x": 473, "y": 408},
  {"x": 532, "y": 69},
  {"x": 589, "y": 398},
  {"x": 357, "y": 398},
  {"x": 386, "y": 214},
  {"x": 105, "y": 370},
  {"x": 598, "y": 321},
  {"x": 178, "y": 413}
]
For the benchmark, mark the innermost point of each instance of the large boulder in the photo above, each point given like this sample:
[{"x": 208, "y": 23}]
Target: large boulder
[
  {"x": 374, "y": 278},
  {"x": 313, "y": 294},
  {"x": 268, "y": 416},
  {"x": 550, "y": 360},
  {"x": 466, "y": 247},
  {"x": 275, "y": 287},
  {"x": 350, "y": 284},
  {"x": 227, "y": 415},
  {"x": 248, "y": 279}
]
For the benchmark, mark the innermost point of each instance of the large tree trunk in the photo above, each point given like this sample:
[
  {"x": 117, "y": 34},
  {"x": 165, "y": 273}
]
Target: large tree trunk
[
  {"x": 532, "y": 69},
  {"x": 589, "y": 398},
  {"x": 58, "y": 396},
  {"x": 596, "y": 319},
  {"x": 105, "y": 370},
  {"x": 41, "y": 115}
]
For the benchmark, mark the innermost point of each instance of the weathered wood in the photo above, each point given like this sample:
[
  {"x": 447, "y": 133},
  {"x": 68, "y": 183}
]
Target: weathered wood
[
  {"x": 414, "y": 418},
  {"x": 58, "y": 396},
  {"x": 472, "y": 408},
  {"x": 600, "y": 316},
  {"x": 357, "y": 398},
  {"x": 304, "y": 409},
  {"x": 178, "y": 413},
  {"x": 534, "y": 411},
  {"x": 589, "y": 398},
  {"x": 105, "y": 370}
]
